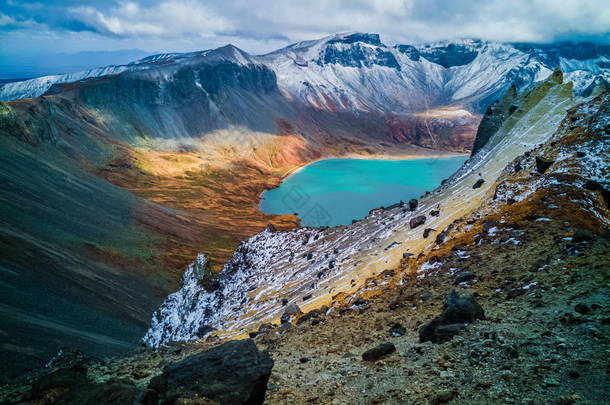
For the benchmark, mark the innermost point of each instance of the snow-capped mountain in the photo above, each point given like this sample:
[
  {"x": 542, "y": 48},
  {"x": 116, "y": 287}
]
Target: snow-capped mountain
[
  {"x": 357, "y": 71},
  {"x": 347, "y": 85}
]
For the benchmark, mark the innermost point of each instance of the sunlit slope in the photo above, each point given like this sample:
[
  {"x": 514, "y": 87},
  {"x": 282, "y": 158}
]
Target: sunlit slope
[
  {"x": 83, "y": 261},
  {"x": 311, "y": 267}
]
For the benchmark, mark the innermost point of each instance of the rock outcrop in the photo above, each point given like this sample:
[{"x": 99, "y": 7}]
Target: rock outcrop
[
  {"x": 458, "y": 312},
  {"x": 234, "y": 373}
]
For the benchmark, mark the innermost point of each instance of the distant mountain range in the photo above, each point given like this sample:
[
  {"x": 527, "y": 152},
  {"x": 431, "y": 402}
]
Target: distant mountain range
[
  {"x": 344, "y": 66},
  {"x": 429, "y": 95}
]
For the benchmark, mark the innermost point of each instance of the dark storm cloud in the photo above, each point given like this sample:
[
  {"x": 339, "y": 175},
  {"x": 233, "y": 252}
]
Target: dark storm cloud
[{"x": 264, "y": 23}]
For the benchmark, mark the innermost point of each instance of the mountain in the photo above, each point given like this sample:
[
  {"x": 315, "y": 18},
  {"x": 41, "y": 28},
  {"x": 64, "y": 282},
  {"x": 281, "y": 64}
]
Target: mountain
[
  {"x": 491, "y": 288},
  {"x": 116, "y": 178},
  {"x": 430, "y": 95}
]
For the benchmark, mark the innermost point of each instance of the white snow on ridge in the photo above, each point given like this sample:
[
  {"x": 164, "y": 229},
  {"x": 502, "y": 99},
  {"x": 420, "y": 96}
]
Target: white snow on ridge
[
  {"x": 357, "y": 72},
  {"x": 40, "y": 85}
]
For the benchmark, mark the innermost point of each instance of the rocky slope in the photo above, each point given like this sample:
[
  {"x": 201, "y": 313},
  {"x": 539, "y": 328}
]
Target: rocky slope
[
  {"x": 526, "y": 252},
  {"x": 310, "y": 267},
  {"x": 180, "y": 146}
]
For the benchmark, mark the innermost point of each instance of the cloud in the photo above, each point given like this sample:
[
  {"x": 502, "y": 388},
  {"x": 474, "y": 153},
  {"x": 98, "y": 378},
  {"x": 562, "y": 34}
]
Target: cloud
[
  {"x": 172, "y": 18},
  {"x": 259, "y": 26}
]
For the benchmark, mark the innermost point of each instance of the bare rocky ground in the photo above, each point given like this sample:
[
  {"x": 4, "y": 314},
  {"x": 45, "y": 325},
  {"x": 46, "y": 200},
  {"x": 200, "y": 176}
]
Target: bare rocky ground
[{"x": 545, "y": 339}]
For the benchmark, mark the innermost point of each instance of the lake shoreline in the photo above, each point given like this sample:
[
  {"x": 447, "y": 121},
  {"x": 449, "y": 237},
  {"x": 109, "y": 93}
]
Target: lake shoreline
[
  {"x": 265, "y": 199},
  {"x": 355, "y": 156}
]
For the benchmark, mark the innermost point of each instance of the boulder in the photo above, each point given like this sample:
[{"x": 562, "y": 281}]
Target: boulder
[
  {"x": 397, "y": 330},
  {"x": 313, "y": 314},
  {"x": 291, "y": 311},
  {"x": 427, "y": 232},
  {"x": 378, "y": 352},
  {"x": 593, "y": 185},
  {"x": 457, "y": 312},
  {"x": 440, "y": 238},
  {"x": 478, "y": 183},
  {"x": 417, "y": 221},
  {"x": 412, "y": 204},
  {"x": 434, "y": 213},
  {"x": 583, "y": 235},
  {"x": 543, "y": 164},
  {"x": 234, "y": 373}
]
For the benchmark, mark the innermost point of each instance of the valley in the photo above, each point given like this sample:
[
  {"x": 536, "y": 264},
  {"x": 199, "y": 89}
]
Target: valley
[{"x": 117, "y": 180}]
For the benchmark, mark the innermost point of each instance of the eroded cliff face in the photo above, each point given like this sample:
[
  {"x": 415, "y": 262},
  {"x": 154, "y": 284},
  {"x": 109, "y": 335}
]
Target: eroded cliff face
[{"x": 314, "y": 267}]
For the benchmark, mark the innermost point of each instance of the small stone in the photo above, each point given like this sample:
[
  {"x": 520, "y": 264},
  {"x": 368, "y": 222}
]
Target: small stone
[
  {"x": 443, "y": 397},
  {"x": 571, "y": 318},
  {"x": 582, "y": 309},
  {"x": 463, "y": 276},
  {"x": 412, "y": 204},
  {"x": 378, "y": 352},
  {"x": 583, "y": 235},
  {"x": 397, "y": 330},
  {"x": 514, "y": 293},
  {"x": 440, "y": 238},
  {"x": 542, "y": 164},
  {"x": 507, "y": 376},
  {"x": 139, "y": 374},
  {"x": 551, "y": 382},
  {"x": 265, "y": 327},
  {"x": 478, "y": 183},
  {"x": 423, "y": 297},
  {"x": 434, "y": 213},
  {"x": 458, "y": 311},
  {"x": 573, "y": 374},
  {"x": 427, "y": 232},
  {"x": 304, "y": 359}
]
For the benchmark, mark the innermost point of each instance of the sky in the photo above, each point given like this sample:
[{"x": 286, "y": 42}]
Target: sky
[{"x": 32, "y": 31}]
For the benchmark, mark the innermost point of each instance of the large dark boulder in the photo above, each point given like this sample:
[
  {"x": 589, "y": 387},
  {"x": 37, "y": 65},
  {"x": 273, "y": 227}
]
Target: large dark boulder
[
  {"x": 457, "y": 313},
  {"x": 233, "y": 373}
]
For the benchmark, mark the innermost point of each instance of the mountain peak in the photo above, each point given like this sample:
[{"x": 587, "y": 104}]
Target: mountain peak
[
  {"x": 230, "y": 53},
  {"x": 353, "y": 37}
]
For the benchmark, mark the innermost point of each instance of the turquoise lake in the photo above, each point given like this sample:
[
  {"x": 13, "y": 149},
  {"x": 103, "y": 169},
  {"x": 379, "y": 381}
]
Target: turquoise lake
[{"x": 335, "y": 191}]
